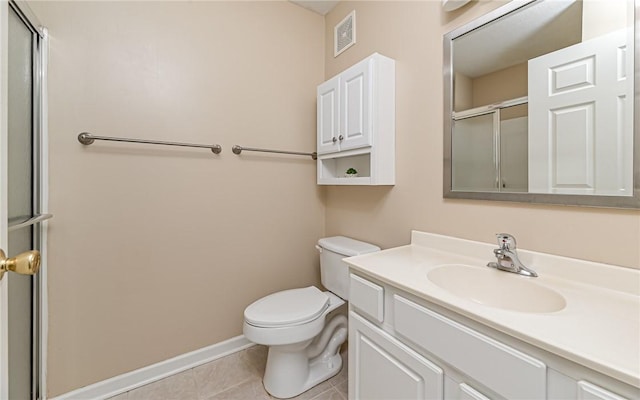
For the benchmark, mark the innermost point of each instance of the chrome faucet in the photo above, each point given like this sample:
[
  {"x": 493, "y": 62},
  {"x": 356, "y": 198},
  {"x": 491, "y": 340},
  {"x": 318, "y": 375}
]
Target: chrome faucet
[{"x": 508, "y": 257}]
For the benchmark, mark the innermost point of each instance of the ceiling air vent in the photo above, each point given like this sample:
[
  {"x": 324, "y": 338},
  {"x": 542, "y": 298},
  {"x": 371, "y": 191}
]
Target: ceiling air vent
[{"x": 345, "y": 34}]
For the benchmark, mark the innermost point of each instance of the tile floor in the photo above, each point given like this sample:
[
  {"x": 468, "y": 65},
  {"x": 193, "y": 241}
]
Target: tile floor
[{"x": 234, "y": 377}]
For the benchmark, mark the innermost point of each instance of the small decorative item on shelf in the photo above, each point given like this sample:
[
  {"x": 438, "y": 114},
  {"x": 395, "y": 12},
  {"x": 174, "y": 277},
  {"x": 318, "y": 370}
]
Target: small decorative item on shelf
[{"x": 351, "y": 173}]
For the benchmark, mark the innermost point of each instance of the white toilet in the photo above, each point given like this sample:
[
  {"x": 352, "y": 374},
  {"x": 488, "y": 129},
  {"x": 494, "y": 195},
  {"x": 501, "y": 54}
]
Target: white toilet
[{"x": 304, "y": 346}]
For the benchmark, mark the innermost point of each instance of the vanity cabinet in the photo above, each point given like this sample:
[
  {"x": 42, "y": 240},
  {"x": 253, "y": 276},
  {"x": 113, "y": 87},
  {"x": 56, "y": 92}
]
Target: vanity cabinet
[
  {"x": 387, "y": 368},
  {"x": 401, "y": 346},
  {"x": 507, "y": 371},
  {"x": 356, "y": 124}
]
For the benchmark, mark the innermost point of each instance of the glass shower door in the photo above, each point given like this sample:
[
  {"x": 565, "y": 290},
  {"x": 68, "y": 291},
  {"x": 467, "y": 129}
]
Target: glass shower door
[
  {"x": 473, "y": 146},
  {"x": 21, "y": 158},
  {"x": 490, "y": 150}
]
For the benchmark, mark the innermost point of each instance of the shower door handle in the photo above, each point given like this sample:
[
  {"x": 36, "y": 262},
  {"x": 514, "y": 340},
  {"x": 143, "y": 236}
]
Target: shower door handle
[
  {"x": 31, "y": 221},
  {"x": 27, "y": 263}
]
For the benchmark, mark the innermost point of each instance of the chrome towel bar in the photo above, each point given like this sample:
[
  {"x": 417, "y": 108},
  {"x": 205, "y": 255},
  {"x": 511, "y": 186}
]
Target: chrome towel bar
[
  {"x": 238, "y": 149},
  {"x": 87, "y": 138}
]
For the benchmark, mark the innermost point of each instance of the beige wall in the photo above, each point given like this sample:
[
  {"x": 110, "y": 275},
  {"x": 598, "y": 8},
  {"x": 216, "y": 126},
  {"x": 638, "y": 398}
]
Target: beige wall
[
  {"x": 602, "y": 17},
  {"x": 411, "y": 33},
  {"x": 155, "y": 252},
  {"x": 506, "y": 84},
  {"x": 462, "y": 92}
]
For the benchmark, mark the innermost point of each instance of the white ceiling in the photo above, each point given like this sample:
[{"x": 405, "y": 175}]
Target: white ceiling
[
  {"x": 526, "y": 34},
  {"x": 319, "y": 6}
]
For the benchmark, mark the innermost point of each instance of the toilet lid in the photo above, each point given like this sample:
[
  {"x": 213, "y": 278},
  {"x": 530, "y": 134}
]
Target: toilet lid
[{"x": 289, "y": 307}]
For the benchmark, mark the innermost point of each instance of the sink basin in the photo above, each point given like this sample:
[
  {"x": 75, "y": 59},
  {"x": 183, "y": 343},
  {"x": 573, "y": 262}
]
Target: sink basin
[{"x": 498, "y": 289}]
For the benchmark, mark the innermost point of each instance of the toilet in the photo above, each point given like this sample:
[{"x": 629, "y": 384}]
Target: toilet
[{"x": 304, "y": 344}]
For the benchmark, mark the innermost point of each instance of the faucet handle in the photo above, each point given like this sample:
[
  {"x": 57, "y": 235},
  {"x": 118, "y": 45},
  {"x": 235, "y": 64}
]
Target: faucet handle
[{"x": 506, "y": 241}]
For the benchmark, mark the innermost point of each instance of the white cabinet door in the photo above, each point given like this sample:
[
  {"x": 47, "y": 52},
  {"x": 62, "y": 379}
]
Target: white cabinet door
[
  {"x": 574, "y": 94},
  {"x": 328, "y": 116},
  {"x": 355, "y": 106},
  {"x": 381, "y": 367}
]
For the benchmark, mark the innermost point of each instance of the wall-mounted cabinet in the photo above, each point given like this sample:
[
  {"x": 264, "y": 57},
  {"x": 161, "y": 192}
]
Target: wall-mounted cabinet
[{"x": 356, "y": 124}]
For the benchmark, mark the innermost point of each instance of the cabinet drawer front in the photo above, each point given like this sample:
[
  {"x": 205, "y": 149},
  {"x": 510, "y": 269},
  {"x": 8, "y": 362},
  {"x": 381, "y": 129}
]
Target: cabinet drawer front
[
  {"x": 384, "y": 368},
  {"x": 589, "y": 391},
  {"x": 469, "y": 393},
  {"x": 367, "y": 297},
  {"x": 503, "y": 369}
]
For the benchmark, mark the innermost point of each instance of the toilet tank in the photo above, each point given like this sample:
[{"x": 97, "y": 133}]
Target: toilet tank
[{"x": 334, "y": 271}]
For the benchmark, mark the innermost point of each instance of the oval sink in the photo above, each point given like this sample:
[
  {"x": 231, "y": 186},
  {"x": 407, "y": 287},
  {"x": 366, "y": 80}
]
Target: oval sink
[{"x": 494, "y": 288}]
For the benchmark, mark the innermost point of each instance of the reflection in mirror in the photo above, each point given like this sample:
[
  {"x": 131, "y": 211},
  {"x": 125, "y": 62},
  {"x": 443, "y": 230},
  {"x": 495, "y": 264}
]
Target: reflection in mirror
[
  {"x": 474, "y": 161},
  {"x": 513, "y": 148},
  {"x": 539, "y": 100}
]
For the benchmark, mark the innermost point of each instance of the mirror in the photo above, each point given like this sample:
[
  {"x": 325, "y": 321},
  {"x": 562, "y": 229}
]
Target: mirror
[{"x": 539, "y": 104}]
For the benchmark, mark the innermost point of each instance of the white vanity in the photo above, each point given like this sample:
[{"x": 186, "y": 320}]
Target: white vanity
[{"x": 430, "y": 321}]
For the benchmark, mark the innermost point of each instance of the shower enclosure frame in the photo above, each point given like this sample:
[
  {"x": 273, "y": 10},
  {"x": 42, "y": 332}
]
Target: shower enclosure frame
[{"x": 39, "y": 59}]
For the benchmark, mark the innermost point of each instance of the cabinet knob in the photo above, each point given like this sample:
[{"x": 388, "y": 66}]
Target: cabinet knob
[
  {"x": 341, "y": 138},
  {"x": 334, "y": 139}
]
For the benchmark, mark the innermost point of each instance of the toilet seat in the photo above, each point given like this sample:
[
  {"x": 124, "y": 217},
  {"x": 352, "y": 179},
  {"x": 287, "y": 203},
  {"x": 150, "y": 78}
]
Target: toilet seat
[{"x": 287, "y": 308}]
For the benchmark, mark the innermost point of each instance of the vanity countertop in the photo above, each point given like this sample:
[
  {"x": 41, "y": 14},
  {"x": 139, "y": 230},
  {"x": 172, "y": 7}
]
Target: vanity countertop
[{"x": 599, "y": 327}]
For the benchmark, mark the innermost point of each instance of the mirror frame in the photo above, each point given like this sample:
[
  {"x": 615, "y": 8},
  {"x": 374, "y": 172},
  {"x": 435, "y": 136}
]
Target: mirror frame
[{"x": 630, "y": 202}]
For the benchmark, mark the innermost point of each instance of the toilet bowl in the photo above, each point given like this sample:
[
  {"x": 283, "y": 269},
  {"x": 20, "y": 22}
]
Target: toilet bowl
[{"x": 303, "y": 333}]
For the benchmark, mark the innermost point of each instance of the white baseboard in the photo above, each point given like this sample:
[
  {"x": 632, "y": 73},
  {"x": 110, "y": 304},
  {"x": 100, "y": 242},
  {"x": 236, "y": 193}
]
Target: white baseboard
[{"x": 143, "y": 376}]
